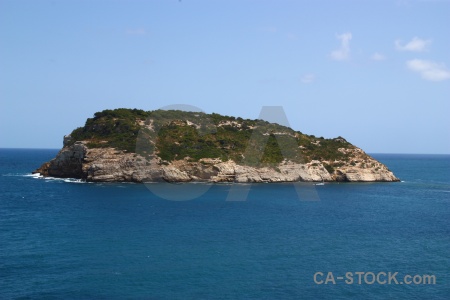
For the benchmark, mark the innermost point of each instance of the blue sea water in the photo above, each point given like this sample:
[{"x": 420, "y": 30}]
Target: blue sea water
[{"x": 62, "y": 239}]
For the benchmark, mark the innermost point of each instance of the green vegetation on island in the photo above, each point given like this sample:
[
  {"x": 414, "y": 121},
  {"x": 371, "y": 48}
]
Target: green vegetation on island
[{"x": 174, "y": 135}]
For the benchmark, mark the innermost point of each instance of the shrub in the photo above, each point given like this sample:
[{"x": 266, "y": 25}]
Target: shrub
[{"x": 259, "y": 141}]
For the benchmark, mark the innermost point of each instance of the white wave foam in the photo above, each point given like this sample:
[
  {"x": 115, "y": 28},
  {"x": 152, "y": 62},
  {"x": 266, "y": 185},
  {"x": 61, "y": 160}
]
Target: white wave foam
[
  {"x": 36, "y": 175},
  {"x": 49, "y": 179},
  {"x": 72, "y": 180},
  {"x": 69, "y": 180}
]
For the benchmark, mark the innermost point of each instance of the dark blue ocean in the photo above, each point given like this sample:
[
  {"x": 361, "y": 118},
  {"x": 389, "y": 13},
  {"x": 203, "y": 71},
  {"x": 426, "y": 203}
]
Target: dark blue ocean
[{"x": 70, "y": 240}]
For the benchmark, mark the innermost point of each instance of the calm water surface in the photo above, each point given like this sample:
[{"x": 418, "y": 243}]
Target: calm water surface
[{"x": 72, "y": 240}]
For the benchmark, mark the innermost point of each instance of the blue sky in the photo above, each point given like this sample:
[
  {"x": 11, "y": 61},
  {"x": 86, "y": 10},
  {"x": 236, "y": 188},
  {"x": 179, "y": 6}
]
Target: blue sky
[{"x": 374, "y": 72}]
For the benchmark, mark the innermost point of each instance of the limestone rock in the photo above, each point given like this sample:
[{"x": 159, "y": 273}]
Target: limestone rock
[
  {"x": 172, "y": 174},
  {"x": 111, "y": 165},
  {"x": 67, "y": 163}
]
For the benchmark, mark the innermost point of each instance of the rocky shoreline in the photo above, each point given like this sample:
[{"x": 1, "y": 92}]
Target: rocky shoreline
[{"x": 112, "y": 165}]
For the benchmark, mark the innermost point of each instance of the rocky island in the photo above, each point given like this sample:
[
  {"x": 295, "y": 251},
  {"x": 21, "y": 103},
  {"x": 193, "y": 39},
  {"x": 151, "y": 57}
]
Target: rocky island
[{"x": 131, "y": 145}]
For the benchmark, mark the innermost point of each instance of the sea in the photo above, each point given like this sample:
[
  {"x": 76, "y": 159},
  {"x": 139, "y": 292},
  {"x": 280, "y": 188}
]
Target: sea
[{"x": 68, "y": 239}]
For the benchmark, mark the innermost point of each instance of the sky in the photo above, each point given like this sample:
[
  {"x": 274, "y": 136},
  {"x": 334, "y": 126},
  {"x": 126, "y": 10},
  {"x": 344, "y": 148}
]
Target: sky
[{"x": 374, "y": 72}]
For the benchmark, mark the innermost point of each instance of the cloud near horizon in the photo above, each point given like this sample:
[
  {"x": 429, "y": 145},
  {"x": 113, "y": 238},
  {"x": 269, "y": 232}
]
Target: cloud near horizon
[
  {"x": 343, "y": 52},
  {"x": 429, "y": 70},
  {"x": 415, "y": 45}
]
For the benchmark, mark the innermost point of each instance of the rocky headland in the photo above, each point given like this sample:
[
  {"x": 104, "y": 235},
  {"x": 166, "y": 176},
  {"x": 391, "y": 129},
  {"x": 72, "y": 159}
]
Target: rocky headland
[{"x": 126, "y": 145}]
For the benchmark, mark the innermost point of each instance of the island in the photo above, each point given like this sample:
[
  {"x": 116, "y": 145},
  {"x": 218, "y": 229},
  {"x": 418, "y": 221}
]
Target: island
[{"x": 132, "y": 145}]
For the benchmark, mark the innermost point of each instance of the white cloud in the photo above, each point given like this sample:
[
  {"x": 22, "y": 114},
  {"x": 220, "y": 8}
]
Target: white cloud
[
  {"x": 378, "y": 57},
  {"x": 308, "y": 78},
  {"x": 429, "y": 70},
  {"x": 343, "y": 53},
  {"x": 416, "y": 45}
]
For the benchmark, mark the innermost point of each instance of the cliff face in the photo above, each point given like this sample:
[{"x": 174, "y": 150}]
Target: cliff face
[
  {"x": 68, "y": 163},
  {"x": 175, "y": 146},
  {"x": 112, "y": 165}
]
